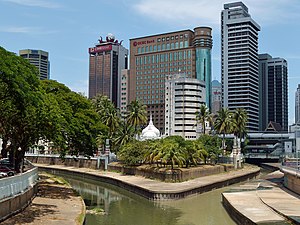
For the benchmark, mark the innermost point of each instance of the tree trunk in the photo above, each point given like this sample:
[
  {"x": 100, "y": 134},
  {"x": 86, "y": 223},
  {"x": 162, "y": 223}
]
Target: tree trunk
[{"x": 4, "y": 148}]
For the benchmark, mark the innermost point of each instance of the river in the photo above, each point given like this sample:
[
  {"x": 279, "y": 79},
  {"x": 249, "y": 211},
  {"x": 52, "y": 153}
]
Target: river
[{"x": 122, "y": 207}]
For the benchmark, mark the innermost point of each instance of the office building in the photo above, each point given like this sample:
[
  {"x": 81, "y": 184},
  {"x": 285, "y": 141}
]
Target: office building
[
  {"x": 38, "y": 58},
  {"x": 297, "y": 105},
  {"x": 153, "y": 58},
  {"x": 273, "y": 91},
  {"x": 124, "y": 91},
  {"x": 240, "y": 61},
  {"x": 216, "y": 96},
  {"x": 183, "y": 98},
  {"x": 107, "y": 59}
]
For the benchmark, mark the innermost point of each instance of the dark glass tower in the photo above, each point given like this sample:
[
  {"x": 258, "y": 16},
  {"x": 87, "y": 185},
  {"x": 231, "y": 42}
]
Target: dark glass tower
[{"x": 273, "y": 91}]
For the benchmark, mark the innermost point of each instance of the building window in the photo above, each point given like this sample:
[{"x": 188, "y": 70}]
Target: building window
[{"x": 158, "y": 39}]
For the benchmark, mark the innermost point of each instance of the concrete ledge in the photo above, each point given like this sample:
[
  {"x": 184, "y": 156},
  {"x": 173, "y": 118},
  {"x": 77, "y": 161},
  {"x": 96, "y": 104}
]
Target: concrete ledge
[
  {"x": 155, "y": 190},
  {"x": 17, "y": 203},
  {"x": 291, "y": 179}
]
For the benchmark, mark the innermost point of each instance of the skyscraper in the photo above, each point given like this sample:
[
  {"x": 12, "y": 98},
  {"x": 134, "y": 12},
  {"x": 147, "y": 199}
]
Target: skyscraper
[
  {"x": 154, "y": 58},
  {"x": 297, "y": 105},
  {"x": 240, "y": 61},
  {"x": 38, "y": 58},
  {"x": 107, "y": 59},
  {"x": 216, "y": 98},
  {"x": 273, "y": 91}
]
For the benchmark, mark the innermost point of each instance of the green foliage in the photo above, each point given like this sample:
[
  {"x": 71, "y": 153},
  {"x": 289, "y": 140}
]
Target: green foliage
[
  {"x": 202, "y": 116},
  {"x": 136, "y": 115},
  {"x": 212, "y": 145},
  {"x": 132, "y": 153}
]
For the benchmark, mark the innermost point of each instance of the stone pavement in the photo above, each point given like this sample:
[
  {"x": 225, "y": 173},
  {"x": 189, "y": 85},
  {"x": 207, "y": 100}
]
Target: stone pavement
[
  {"x": 55, "y": 204},
  {"x": 265, "y": 201}
]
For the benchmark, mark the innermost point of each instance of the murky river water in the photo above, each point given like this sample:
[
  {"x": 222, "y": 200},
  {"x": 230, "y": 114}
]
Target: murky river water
[{"x": 125, "y": 208}]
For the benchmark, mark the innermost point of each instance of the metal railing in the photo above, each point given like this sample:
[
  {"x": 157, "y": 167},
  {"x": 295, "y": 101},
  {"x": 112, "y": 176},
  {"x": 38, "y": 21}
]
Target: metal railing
[{"x": 14, "y": 185}]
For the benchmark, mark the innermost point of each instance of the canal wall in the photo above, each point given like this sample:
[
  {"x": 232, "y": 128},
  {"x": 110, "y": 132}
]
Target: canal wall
[
  {"x": 291, "y": 179},
  {"x": 165, "y": 191},
  {"x": 167, "y": 175},
  {"x": 17, "y": 192},
  {"x": 80, "y": 162}
]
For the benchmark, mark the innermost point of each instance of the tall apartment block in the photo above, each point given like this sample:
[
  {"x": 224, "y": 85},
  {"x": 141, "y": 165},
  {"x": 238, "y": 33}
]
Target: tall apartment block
[
  {"x": 107, "y": 59},
  {"x": 156, "y": 57},
  {"x": 183, "y": 98},
  {"x": 216, "y": 96},
  {"x": 38, "y": 58},
  {"x": 297, "y": 105},
  {"x": 240, "y": 61},
  {"x": 273, "y": 91}
]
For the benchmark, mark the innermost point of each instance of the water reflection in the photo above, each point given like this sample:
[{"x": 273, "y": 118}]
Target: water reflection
[
  {"x": 125, "y": 208},
  {"x": 122, "y": 207}
]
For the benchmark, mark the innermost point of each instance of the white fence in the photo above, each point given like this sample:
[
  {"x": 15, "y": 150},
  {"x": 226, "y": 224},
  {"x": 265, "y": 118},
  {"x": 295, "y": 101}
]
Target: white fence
[{"x": 14, "y": 185}]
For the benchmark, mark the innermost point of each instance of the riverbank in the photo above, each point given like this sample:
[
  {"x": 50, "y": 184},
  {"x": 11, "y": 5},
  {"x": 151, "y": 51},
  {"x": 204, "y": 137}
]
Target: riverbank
[
  {"x": 157, "y": 190},
  {"x": 263, "y": 201},
  {"x": 56, "y": 203}
]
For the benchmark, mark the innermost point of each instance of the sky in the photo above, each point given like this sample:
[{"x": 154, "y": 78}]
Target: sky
[{"x": 67, "y": 28}]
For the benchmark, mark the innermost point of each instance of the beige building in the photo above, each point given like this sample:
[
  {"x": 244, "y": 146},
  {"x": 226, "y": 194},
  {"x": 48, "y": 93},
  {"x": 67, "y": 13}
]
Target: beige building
[
  {"x": 38, "y": 58},
  {"x": 155, "y": 57}
]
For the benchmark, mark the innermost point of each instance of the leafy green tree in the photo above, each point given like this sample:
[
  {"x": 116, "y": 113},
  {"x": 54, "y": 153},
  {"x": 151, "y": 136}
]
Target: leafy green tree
[
  {"x": 136, "y": 115},
  {"x": 212, "y": 145},
  {"x": 79, "y": 124},
  {"x": 223, "y": 124},
  {"x": 20, "y": 96},
  {"x": 132, "y": 153},
  {"x": 194, "y": 153}
]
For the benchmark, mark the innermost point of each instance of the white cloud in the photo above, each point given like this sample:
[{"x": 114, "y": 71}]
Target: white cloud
[
  {"x": 80, "y": 86},
  {"x": 207, "y": 12},
  {"x": 36, "y": 3},
  {"x": 26, "y": 30}
]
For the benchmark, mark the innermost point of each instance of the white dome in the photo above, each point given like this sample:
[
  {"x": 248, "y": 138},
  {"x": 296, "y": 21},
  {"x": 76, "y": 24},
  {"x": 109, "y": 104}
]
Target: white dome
[{"x": 150, "y": 132}]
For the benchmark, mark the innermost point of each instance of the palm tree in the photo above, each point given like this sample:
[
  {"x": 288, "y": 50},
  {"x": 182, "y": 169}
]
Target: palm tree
[
  {"x": 136, "y": 115},
  {"x": 240, "y": 121},
  {"x": 124, "y": 134},
  {"x": 223, "y": 124},
  {"x": 202, "y": 116},
  {"x": 109, "y": 115},
  {"x": 171, "y": 154}
]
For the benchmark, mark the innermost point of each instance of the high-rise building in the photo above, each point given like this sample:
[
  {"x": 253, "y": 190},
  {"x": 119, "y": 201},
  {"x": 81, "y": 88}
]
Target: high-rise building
[
  {"x": 273, "y": 91},
  {"x": 216, "y": 96},
  {"x": 183, "y": 99},
  {"x": 297, "y": 105},
  {"x": 153, "y": 58},
  {"x": 124, "y": 91},
  {"x": 38, "y": 58},
  {"x": 107, "y": 59},
  {"x": 240, "y": 61}
]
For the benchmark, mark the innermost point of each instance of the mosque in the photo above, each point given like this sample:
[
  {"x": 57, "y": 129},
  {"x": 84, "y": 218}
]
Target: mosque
[{"x": 150, "y": 132}]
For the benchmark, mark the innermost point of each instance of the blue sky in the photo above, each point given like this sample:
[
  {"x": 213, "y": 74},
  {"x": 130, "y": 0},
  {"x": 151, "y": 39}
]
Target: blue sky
[{"x": 67, "y": 28}]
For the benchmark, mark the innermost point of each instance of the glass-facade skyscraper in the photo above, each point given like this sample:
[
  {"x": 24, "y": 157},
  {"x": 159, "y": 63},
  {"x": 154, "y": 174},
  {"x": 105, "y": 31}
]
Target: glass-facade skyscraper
[
  {"x": 297, "y": 105},
  {"x": 155, "y": 58},
  {"x": 273, "y": 91}
]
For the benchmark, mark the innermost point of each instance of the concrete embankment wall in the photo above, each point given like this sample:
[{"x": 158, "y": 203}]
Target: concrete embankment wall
[
  {"x": 17, "y": 203},
  {"x": 292, "y": 180},
  {"x": 147, "y": 193},
  {"x": 68, "y": 161},
  {"x": 166, "y": 175},
  {"x": 235, "y": 214}
]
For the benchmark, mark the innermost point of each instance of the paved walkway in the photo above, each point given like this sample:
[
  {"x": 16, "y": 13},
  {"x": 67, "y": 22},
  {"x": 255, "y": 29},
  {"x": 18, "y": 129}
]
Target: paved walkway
[
  {"x": 55, "y": 204},
  {"x": 156, "y": 186},
  {"x": 265, "y": 201}
]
